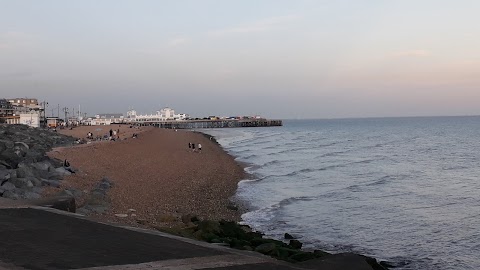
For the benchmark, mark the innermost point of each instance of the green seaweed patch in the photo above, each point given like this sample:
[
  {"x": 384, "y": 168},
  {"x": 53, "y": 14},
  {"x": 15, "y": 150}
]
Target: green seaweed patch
[{"x": 244, "y": 238}]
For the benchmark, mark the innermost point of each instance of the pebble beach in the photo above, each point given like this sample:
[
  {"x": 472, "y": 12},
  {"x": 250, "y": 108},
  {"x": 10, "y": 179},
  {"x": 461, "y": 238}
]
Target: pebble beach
[{"x": 156, "y": 178}]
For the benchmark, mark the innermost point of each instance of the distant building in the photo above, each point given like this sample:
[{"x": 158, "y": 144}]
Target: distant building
[
  {"x": 31, "y": 119},
  {"x": 164, "y": 114},
  {"x": 6, "y": 111},
  {"x": 28, "y": 103},
  {"x": 53, "y": 122},
  {"x": 107, "y": 119}
]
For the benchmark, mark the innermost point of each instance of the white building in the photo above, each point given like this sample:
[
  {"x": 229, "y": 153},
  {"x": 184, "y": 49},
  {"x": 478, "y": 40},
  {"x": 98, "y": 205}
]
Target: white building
[
  {"x": 107, "y": 119},
  {"x": 30, "y": 119},
  {"x": 164, "y": 114}
]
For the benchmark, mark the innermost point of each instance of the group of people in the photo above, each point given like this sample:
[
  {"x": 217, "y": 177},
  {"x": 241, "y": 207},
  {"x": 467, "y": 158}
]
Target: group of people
[{"x": 192, "y": 146}]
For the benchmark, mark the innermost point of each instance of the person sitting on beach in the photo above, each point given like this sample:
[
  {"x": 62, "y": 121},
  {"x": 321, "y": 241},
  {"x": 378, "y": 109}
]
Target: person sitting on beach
[
  {"x": 189, "y": 145},
  {"x": 199, "y": 147}
]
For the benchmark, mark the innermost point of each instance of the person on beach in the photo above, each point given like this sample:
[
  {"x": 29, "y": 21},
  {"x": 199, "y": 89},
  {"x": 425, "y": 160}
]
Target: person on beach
[
  {"x": 189, "y": 145},
  {"x": 199, "y": 147},
  {"x": 193, "y": 147},
  {"x": 111, "y": 132}
]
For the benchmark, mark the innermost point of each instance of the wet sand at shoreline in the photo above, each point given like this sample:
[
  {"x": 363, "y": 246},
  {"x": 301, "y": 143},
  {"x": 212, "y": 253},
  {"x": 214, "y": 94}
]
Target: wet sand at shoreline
[{"x": 156, "y": 174}]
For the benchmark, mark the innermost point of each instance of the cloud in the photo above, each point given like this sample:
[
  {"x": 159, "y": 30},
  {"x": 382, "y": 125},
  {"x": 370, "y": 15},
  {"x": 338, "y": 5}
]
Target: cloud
[
  {"x": 257, "y": 26},
  {"x": 412, "y": 53},
  {"x": 177, "y": 41}
]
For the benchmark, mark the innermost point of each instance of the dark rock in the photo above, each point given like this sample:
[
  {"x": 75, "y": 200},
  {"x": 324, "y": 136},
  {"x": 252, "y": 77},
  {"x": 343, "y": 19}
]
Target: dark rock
[
  {"x": 42, "y": 166},
  {"x": 320, "y": 253},
  {"x": 4, "y": 175},
  {"x": 8, "y": 186},
  {"x": 10, "y": 194},
  {"x": 295, "y": 244},
  {"x": 62, "y": 171},
  {"x": 189, "y": 218},
  {"x": 6, "y": 144},
  {"x": 266, "y": 248},
  {"x": 65, "y": 204},
  {"x": 23, "y": 172},
  {"x": 374, "y": 263},
  {"x": 339, "y": 261},
  {"x": 209, "y": 226},
  {"x": 386, "y": 264},
  {"x": 52, "y": 183},
  {"x": 36, "y": 182},
  {"x": 232, "y": 206},
  {"x": 31, "y": 195},
  {"x": 260, "y": 241},
  {"x": 22, "y": 145},
  {"x": 22, "y": 183},
  {"x": 303, "y": 256},
  {"x": 288, "y": 236},
  {"x": 10, "y": 158}
]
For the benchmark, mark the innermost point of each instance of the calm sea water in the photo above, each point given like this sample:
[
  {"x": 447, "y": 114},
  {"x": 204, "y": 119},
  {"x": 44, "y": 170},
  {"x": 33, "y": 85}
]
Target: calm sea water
[{"x": 405, "y": 190}]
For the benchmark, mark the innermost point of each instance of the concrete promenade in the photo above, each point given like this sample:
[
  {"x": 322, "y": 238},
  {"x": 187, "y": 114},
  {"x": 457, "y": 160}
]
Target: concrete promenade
[{"x": 42, "y": 238}]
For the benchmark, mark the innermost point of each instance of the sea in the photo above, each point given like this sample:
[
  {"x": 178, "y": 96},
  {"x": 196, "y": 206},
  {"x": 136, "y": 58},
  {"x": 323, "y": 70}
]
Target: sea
[{"x": 402, "y": 190}]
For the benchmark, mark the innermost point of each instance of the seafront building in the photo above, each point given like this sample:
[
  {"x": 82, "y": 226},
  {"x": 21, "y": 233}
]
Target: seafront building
[
  {"x": 25, "y": 111},
  {"x": 164, "y": 114}
]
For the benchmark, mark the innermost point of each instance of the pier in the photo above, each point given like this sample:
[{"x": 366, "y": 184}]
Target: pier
[{"x": 208, "y": 123}]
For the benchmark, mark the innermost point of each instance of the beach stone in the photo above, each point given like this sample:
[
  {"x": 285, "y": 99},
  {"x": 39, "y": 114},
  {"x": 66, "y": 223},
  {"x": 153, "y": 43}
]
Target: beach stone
[
  {"x": 303, "y": 256},
  {"x": 21, "y": 183},
  {"x": 76, "y": 193},
  {"x": 23, "y": 172},
  {"x": 62, "y": 171},
  {"x": 51, "y": 183},
  {"x": 288, "y": 236},
  {"x": 31, "y": 195},
  {"x": 3, "y": 147},
  {"x": 121, "y": 215},
  {"x": 295, "y": 244},
  {"x": 4, "y": 175},
  {"x": 66, "y": 204},
  {"x": 10, "y": 194},
  {"x": 43, "y": 166},
  {"x": 266, "y": 248},
  {"x": 22, "y": 145},
  {"x": 8, "y": 186},
  {"x": 36, "y": 182},
  {"x": 10, "y": 158}
]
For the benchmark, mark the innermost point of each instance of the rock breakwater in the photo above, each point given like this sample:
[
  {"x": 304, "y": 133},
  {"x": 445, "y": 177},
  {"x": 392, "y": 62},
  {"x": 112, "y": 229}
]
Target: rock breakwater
[{"x": 25, "y": 169}]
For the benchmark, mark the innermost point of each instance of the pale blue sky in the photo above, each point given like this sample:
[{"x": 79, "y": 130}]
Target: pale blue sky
[{"x": 279, "y": 59}]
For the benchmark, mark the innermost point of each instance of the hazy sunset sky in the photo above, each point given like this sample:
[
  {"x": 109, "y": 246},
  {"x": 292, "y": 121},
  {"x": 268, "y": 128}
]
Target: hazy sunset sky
[{"x": 279, "y": 59}]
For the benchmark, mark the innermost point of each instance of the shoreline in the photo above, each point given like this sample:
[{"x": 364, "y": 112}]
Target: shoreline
[{"x": 151, "y": 181}]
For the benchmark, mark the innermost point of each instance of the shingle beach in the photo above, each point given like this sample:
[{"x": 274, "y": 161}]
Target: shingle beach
[{"x": 156, "y": 178}]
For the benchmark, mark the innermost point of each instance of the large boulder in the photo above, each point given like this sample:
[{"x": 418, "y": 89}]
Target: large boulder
[
  {"x": 24, "y": 171},
  {"x": 43, "y": 165},
  {"x": 63, "y": 171},
  {"x": 5, "y": 175},
  {"x": 10, "y": 194},
  {"x": 22, "y": 183},
  {"x": 10, "y": 158},
  {"x": 8, "y": 186}
]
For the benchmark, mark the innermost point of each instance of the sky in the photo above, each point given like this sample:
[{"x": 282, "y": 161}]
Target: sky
[{"x": 274, "y": 58}]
